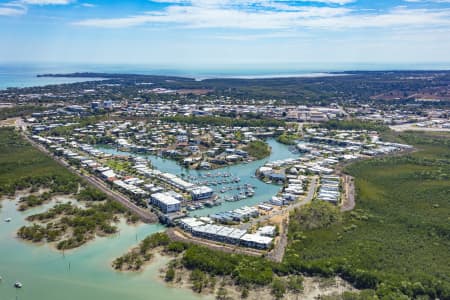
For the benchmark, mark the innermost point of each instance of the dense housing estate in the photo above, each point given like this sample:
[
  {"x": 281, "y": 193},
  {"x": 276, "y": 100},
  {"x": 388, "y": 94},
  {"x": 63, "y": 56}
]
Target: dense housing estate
[{"x": 173, "y": 196}]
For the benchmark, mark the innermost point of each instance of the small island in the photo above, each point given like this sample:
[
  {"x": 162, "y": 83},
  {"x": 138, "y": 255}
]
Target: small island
[
  {"x": 69, "y": 226},
  {"x": 37, "y": 180}
]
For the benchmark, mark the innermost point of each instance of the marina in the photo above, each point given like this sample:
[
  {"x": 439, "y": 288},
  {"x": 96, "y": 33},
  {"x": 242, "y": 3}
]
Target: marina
[
  {"x": 238, "y": 186},
  {"x": 90, "y": 277}
]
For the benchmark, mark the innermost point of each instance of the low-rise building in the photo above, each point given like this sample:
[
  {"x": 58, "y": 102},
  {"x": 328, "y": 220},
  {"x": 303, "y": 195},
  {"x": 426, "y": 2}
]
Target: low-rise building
[
  {"x": 166, "y": 202},
  {"x": 201, "y": 193}
]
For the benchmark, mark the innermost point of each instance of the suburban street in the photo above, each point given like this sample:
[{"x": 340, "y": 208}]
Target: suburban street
[{"x": 278, "y": 252}]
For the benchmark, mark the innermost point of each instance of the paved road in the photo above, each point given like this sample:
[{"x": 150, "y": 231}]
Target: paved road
[
  {"x": 145, "y": 215},
  {"x": 277, "y": 253}
]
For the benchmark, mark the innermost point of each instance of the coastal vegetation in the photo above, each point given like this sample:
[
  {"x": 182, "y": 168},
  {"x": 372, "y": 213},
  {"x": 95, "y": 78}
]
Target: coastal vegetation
[
  {"x": 288, "y": 138},
  {"x": 71, "y": 226},
  {"x": 387, "y": 247},
  {"x": 135, "y": 258},
  {"x": 315, "y": 215},
  {"x": 33, "y": 200},
  {"x": 258, "y": 149},
  {"x": 203, "y": 263},
  {"x": 91, "y": 194},
  {"x": 395, "y": 241},
  {"x": 393, "y": 245},
  {"x": 23, "y": 167},
  {"x": 228, "y": 276}
]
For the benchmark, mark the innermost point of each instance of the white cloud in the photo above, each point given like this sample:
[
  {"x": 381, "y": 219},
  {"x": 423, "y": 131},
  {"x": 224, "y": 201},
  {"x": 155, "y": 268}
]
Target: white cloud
[
  {"x": 248, "y": 2},
  {"x": 20, "y": 7},
  {"x": 11, "y": 11},
  {"x": 428, "y": 1},
  {"x": 258, "y": 36},
  {"x": 399, "y": 17},
  {"x": 226, "y": 15},
  {"x": 341, "y": 2},
  {"x": 210, "y": 16},
  {"x": 46, "y": 2}
]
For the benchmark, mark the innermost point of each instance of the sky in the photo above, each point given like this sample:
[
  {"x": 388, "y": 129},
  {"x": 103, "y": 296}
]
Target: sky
[{"x": 227, "y": 32}]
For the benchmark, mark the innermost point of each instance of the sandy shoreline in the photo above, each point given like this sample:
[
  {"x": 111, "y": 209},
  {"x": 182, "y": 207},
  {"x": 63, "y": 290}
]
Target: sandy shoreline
[
  {"x": 313, "y": 286},
  {"x": 48, "y": 204}
]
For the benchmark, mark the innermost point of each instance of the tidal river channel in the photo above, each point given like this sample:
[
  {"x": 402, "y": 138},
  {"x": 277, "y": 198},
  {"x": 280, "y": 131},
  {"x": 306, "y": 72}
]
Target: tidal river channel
[{"x": 85, "y": 273}]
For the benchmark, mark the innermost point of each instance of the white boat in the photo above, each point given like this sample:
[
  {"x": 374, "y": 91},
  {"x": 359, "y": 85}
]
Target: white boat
[
  {"x": 8, "y": 220},
  {"x": 250, "y": 193},
  {"x": 18, "y": 285}
]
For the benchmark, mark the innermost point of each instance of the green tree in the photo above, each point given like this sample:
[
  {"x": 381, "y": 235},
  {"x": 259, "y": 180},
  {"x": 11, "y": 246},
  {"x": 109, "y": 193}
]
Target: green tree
[
  {"x": 278, "y": 288},
  {"x": 222, "y": 294},
  {"x": 170, "y": 274}
]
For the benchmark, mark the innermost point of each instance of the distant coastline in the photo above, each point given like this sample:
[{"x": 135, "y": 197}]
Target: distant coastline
[
  {"x": 197, "y": 78},
  {"x": 23, "y": 75},
  {"x": 182, "y": 77}
]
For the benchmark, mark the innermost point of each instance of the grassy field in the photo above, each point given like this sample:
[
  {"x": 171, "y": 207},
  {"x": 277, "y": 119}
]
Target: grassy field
[
  {"x": 22, "y": 166},
  {"x": 397, "y": 240}
]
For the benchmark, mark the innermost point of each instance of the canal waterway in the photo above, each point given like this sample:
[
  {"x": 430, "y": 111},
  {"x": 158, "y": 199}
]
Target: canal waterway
[
  {"x": 86, "y": 273},
  {"x": 246, "y": 172}
]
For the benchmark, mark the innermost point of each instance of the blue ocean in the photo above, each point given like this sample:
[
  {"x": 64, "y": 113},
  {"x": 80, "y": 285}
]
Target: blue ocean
[{"x": 25, "y": 75}]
